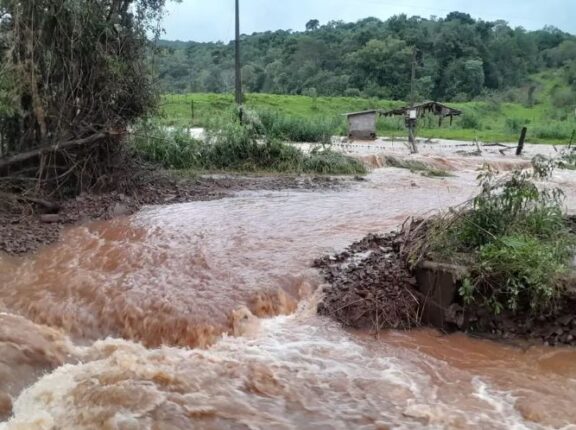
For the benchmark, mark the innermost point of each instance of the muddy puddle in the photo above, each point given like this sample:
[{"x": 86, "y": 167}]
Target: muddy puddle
[{"x": 111, "y": 316}]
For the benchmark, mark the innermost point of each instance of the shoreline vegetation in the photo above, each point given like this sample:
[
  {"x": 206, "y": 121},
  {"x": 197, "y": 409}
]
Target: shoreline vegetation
[{"x": 255, "y": 145}]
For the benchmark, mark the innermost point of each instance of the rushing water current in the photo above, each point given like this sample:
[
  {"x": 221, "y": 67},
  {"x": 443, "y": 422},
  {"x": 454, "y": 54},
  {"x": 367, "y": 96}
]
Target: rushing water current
[{"x": 202, "y": 316}]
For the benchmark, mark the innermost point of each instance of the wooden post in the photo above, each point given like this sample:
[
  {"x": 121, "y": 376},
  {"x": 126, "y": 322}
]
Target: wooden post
[
  {"x": 412, "y": 120},
  {"x": 521, "y": 141},
  {"x": 192, "y": 112},
  {"x": 238, "y": 79},
  {"x": 412, "y": 138}
]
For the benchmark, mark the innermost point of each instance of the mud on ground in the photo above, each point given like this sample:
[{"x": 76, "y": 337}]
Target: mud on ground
[{"x": 28, "y": 230}]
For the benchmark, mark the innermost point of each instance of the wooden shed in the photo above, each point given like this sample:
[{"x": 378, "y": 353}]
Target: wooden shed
[
  {"x": 362, "y": 125},
  {"x": 419, "y": 110}
]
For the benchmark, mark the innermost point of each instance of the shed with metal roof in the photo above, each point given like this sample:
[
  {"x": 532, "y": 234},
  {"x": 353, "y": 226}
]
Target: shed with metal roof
[{"x": 362, "y": 125}]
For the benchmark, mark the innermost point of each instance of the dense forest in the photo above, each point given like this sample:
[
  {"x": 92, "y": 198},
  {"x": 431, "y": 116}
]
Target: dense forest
[{"x": 457, "y": 58}]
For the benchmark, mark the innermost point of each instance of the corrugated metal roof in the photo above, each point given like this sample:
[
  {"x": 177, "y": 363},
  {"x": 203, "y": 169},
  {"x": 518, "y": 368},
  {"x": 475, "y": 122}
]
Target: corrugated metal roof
[{"x": 365, "y": 112}]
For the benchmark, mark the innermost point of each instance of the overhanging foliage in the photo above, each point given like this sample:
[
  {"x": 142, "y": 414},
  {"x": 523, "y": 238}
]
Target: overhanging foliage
[{"x": 71, "y": 70}]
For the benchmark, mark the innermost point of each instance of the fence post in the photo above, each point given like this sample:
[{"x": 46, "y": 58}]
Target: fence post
[
  {"x": 192, "y": 112},
  {"x": 521, "y": 141}
]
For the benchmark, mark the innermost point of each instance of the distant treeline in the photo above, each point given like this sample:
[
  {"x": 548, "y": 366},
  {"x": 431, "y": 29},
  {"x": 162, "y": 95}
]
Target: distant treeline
[{"x": 457, "y": 58}]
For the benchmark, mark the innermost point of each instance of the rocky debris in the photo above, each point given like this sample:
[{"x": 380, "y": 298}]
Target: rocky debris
[
  {"x": 370, "y": 287},
  {"x": 25, "y": 232},
  {"x": 553, "y": 330}
]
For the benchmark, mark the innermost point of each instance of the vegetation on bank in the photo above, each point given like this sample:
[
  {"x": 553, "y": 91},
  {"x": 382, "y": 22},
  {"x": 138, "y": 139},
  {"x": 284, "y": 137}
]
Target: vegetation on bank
[
  {"x": 304, "y": 118},
  {"x": 514, "y": 239},
  {"x": 231, "y": 146}
]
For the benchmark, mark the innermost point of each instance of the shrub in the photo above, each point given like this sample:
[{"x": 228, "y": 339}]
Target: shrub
[
  {"x": 524, "y": 272},
  {"x": 514, "y": 125},
  {"x": 514, "y": 239},
  {"x": 235, "y": 146},
  {"x": 416, "y": 166},
  {"x": 169, "y": 147},
  {"x": 553, "y": 130},
  {"x": 470, "y": 120},
  {"x": 564, "y": 97},
  {"x": 352, "y": 92}
]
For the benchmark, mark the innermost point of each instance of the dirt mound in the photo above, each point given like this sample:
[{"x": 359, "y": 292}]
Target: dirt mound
[{"x": 370, "y": 287}]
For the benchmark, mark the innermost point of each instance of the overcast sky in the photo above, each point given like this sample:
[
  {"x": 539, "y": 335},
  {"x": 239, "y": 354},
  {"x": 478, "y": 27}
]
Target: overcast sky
[{"x": 213, "y": 20}]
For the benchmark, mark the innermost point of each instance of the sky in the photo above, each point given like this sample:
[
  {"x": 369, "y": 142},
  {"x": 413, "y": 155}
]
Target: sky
[{"x": 213, "y": 20}]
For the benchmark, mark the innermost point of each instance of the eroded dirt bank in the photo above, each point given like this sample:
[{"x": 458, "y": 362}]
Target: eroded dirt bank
[{"x": 21, "y": 232}]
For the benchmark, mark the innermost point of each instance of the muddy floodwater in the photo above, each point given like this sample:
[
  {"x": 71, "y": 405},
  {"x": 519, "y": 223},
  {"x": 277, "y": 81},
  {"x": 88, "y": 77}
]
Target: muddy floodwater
[{"x": 202, "y": 316}]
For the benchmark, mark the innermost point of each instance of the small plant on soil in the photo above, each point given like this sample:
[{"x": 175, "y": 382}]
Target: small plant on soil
[{"x": 514, "y": 239}]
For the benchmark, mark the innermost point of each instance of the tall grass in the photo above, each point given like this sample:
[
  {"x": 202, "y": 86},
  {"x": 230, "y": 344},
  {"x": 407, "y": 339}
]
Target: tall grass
[
  {"x": 231, "y": 146},
  {"x": 169, "y": 147},
  {"x": 298, "y": 129}
]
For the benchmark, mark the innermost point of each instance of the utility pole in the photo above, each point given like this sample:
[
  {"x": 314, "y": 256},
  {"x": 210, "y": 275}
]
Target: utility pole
[
  {"x": 238, "y": 76},
  {"x": 412, "y": 114}
]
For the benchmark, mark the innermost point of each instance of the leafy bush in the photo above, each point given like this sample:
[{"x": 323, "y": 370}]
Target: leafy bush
[
  {"x": 524, "y": 271},
  {"x": 235, "y": 146},
  {"x": 553, "y": 130},
  {"x": 470, "y": 120},
  {"x": 513, "y": 238},
  {"x": 514, "y": 124}
]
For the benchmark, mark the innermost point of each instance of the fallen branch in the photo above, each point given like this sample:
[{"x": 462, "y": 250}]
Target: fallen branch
[
  {"x": 18, "y": 158},
  {"x": 51, "y": 206}
]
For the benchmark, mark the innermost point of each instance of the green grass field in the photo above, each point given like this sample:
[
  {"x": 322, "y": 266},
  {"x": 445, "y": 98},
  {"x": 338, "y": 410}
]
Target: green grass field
[{"x": 485, "y": 121}]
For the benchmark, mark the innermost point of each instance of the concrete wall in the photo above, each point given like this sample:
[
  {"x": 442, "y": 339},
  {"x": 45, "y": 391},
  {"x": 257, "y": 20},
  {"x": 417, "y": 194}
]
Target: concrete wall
[{"x": 362, "y": 126}]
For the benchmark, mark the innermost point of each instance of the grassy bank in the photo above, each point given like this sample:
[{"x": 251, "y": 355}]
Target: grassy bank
[
  {"x": 233, "y": 147},
  {"x": 488, "y": 121},
  {"x": 513, "y": 238}
]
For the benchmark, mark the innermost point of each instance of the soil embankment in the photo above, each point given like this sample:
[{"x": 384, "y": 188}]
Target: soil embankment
[
  {"x": 25, "y": 230},
  {"x": 370, "y": 287}
]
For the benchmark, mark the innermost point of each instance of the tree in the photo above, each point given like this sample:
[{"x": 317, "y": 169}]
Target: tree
[
  {"x": 457, "y": 57},
  {"x": 312, "y": 25},
  {"x": 386, "y": 63},
  {"x": 464, "y": 18},
  {"x": 79, "y": 76}
]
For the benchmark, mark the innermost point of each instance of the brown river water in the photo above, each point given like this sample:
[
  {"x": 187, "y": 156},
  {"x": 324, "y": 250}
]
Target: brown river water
[{"x": 129, "y": 324}]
